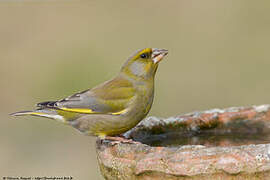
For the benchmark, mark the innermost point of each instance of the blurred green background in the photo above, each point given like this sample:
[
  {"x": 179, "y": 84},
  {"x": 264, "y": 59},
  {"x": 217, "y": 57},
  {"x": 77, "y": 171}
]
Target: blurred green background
[{"x": 218, "y": 57}]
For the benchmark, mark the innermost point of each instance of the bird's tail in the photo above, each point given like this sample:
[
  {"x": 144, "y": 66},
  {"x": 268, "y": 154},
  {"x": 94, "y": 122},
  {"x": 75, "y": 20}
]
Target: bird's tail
[{"x": 48, "y": 113}]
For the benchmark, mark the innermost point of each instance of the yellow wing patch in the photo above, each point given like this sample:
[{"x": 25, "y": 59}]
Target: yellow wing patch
[
  {"x": 89, "y": 111},
  {"x": 119, "y": 112},
  {"x": 77, "y": 110}
]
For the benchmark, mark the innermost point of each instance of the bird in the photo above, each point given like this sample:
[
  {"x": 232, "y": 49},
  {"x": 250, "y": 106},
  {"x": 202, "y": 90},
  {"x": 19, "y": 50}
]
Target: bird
[{"x": 113, "y": 107}]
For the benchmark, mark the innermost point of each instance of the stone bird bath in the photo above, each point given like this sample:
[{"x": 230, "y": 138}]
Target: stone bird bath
[{"x": 215, "y": 144}]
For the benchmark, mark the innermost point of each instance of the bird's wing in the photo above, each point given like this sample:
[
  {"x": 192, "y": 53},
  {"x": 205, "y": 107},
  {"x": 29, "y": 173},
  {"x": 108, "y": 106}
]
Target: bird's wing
[{"x": 111, "y": 97}]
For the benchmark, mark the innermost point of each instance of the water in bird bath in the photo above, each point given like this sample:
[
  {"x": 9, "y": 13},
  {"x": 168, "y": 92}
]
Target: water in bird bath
[{"x": 205, "y": 138}]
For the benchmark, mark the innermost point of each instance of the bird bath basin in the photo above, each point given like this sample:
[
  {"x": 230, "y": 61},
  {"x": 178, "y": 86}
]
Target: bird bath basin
[{"x": 215, "y": 144}]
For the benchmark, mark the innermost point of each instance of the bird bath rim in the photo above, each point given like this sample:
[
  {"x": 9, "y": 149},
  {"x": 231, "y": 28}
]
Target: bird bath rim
[{"x": 140, "y": 161}]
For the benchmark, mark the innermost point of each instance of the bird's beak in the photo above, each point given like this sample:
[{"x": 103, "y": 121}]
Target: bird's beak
[{"x": 158, "y": 54}]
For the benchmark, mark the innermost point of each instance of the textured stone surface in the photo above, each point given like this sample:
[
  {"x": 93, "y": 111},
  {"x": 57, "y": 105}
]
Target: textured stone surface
[{"x": 224, "y": 161}]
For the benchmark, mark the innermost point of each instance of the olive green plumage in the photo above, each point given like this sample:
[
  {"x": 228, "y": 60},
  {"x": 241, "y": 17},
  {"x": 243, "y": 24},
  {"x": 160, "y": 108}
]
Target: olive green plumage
[{"x": 114, "y": 106}]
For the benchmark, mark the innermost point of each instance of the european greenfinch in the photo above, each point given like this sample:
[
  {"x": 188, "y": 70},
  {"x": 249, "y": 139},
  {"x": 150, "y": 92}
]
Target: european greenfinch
[{"x": 112, "y": 107}]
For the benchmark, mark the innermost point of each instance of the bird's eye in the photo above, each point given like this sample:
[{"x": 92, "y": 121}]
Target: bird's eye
[{"x": 143, "y": 56}]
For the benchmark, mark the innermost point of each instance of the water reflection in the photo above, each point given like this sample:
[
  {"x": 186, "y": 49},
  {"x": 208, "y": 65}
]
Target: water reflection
[{"x": 234, "y": 134}]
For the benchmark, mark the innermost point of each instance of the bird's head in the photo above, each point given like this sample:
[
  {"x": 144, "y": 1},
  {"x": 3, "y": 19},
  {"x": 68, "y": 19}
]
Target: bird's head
[{"x": 143, "y": 64}]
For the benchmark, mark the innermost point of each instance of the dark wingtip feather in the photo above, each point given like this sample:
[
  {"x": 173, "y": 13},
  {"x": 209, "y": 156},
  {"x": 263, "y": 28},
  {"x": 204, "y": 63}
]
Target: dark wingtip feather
[{"x": 47, "y": 104}]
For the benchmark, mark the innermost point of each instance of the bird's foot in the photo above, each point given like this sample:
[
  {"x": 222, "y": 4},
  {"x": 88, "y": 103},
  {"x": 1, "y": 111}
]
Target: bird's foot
[{"x": 117, "y": 140}]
